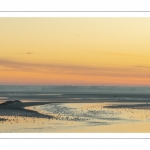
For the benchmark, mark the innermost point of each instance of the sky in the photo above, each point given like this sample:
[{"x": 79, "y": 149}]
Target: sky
[{"x": 75, "y": 51}]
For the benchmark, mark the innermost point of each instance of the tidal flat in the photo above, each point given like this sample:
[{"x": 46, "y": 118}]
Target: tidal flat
[{"x": 74, "y": 113}]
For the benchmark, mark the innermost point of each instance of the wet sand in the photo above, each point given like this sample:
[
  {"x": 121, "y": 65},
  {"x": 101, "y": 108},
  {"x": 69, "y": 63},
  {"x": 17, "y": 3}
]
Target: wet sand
[
  {"x": 68, "y": 110},
  {"x": 46, "y": 117},
  {"x": 30, "y": 125}
]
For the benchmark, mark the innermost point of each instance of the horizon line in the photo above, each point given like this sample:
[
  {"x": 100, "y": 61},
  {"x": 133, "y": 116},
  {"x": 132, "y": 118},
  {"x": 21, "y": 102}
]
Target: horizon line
[{"x": 76, "y": 85}]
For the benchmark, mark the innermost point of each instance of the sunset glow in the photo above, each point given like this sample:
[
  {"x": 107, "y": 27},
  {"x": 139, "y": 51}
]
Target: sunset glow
[{"x": 75, "y": 51}]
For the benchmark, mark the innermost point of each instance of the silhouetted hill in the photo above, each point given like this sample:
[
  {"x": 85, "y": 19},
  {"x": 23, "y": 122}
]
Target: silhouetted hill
[{"x": 10, "y": 102}]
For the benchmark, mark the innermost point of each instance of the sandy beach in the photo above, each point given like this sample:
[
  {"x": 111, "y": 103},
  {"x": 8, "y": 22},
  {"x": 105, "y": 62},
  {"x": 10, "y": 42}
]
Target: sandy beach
[{"x": 48, "y": 117}]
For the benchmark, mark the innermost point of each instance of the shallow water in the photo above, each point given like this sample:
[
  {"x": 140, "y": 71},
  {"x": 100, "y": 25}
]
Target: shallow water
[
  {"x": 76, "y": 117},
  {"x": 79, "y": 113}
]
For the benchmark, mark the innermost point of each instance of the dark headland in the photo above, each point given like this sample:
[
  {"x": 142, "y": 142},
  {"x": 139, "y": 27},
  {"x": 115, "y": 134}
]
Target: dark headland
[{"x": 17, "y": 108}]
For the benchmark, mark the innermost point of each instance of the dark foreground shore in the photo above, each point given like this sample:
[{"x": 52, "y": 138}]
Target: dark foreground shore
[
  {"x": 28, "y": 117},
  {"x": 18, "y": 108}
]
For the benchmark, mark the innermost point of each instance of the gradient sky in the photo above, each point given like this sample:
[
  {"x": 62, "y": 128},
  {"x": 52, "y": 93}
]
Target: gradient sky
[{"x": 75, "y": 51}]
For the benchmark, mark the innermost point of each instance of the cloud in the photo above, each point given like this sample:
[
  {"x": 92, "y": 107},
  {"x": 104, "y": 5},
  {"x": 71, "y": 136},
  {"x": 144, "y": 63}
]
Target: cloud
[
  {"x": 70, "y": 69},
  {"x": 117, "y": 54},
  {"x": 28, "y": 53},
  {"x": 147, "y": 67}
]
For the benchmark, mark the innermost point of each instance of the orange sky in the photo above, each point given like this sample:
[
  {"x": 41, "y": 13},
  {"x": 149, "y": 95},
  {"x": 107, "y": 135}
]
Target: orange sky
[{"x": 75, "y": 51}]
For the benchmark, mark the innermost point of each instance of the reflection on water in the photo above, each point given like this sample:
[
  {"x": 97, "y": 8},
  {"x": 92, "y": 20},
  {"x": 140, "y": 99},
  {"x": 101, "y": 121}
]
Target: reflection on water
[
  {"x": 88, "y": 109},
  {"x": 82, "y": 117},
  {"x": 3, "y": 98},
  {"x": 94, "y": 114}
]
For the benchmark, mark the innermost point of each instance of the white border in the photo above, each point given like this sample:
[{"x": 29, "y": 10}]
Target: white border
[
  {"x": 74, "y": 14},
  {"x": 76, "y": 135},
  {"x": 74, "y": 5}
]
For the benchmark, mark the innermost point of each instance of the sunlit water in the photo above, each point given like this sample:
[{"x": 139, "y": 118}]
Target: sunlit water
[
  {"x": 76, "y": 117},
  {"x": 82, "y": 117}
]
